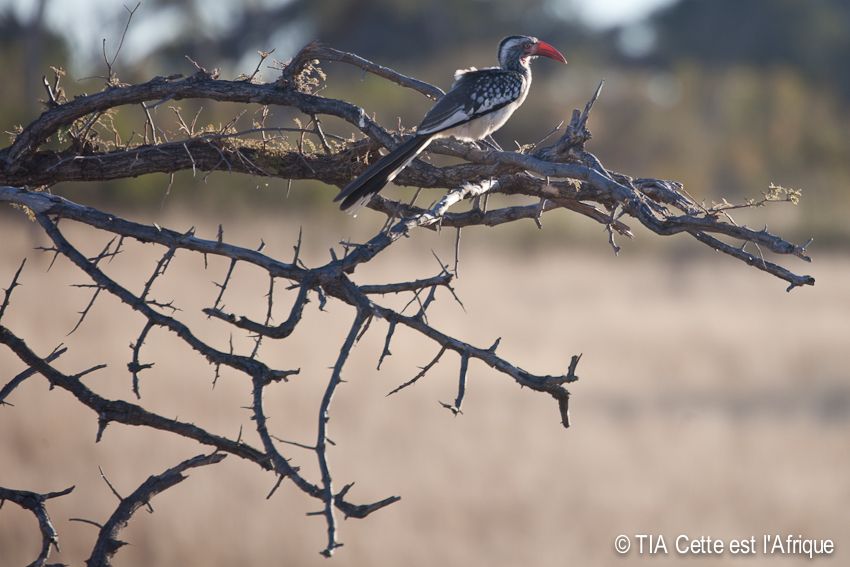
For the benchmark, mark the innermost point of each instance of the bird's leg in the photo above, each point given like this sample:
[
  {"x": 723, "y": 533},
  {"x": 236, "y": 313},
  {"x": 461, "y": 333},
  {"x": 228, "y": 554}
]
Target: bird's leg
[
  {"x": 492, "y": 143},
  {"x": 487, "y": 144}
]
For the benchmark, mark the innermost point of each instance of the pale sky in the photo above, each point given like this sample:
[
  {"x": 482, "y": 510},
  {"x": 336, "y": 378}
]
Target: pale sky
[
  {"x": 608, "y": 13},
  {"x": 82, "y": 21}
]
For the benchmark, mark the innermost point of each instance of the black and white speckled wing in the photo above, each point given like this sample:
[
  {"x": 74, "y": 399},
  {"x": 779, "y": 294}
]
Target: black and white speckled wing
[{"x": 474, "y": 94}]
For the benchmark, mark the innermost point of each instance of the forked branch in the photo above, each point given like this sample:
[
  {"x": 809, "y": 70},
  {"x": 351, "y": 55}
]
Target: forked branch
[{"x": 561, "y": 177}]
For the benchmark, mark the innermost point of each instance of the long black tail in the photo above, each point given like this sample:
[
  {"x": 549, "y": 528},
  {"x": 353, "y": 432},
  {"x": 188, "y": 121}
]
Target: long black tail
[{"x": 373, "y": 179}]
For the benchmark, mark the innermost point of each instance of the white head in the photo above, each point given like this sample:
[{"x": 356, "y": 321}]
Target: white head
[{"x": 515, "y": 50}]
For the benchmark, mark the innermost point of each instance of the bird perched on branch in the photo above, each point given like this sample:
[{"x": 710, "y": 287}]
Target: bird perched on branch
[{"x": 479, "y": 103}]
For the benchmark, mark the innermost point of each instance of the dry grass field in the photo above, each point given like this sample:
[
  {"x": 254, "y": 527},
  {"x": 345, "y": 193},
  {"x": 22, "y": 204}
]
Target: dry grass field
[{"x": 711, "y": 402}]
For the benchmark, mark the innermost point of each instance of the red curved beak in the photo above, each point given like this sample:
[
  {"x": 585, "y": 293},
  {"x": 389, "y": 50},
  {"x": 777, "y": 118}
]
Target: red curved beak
[{"x": 544, "y": 49}]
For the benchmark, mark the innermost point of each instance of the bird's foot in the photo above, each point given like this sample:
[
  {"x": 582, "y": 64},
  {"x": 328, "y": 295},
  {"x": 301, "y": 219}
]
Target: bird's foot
[{"x": 492, "y": 143}]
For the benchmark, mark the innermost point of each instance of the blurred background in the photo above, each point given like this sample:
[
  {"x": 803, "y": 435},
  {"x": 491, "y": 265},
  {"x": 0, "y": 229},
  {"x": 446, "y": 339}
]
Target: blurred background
[{"x": 711, "y": 401}]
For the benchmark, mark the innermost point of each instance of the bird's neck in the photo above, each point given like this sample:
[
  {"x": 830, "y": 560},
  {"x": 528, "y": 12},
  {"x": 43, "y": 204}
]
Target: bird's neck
[{"x": 520, "y": 65}]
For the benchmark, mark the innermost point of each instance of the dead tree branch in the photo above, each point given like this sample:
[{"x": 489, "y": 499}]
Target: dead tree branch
[
  {"x": 35, "y": 503},
  {"x": 107, "y": 543},
  {"x": 561, "y": 176},
  {"x": 566, "y": 159}
]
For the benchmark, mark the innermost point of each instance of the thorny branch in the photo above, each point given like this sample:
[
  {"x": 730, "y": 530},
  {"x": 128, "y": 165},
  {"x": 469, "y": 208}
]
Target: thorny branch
[
  {"x": 107, "y": 543},
  {"x": 548, "y": 173},
  {"x": 563, "y": 175},
  {"x": 35, "y": 503},
  {"x": 322, "y": 435}
]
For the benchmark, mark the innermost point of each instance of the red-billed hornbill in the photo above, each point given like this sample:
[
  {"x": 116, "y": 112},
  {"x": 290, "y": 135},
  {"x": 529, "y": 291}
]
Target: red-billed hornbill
[{"x": 479, "y": 103}]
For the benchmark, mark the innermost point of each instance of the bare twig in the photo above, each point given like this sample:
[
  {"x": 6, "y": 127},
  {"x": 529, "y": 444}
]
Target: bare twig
[
  {"x": 423, "y": 371},
  {"x": 7, "y": 293},
  {"x": 111, "y": 63},
  {"x": 322, "y": 434},
  {"x": 35, "y": 503},
  {"x": 263, "y": 56},
  {"x": 19, "y": 379},
  {"x": 134, "y": 366},
  {"x": 461, "y": 386},
  {"x": 386, "y": 350},
  {"x": 107, "y": 543}
]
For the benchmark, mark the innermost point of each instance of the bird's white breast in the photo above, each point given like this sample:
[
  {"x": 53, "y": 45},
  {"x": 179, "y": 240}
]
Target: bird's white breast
[{"x": 485, "y": 125}]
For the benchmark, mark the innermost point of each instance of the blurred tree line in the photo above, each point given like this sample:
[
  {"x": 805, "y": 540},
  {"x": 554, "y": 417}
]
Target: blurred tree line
[{"x": 726, "y": 96}]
